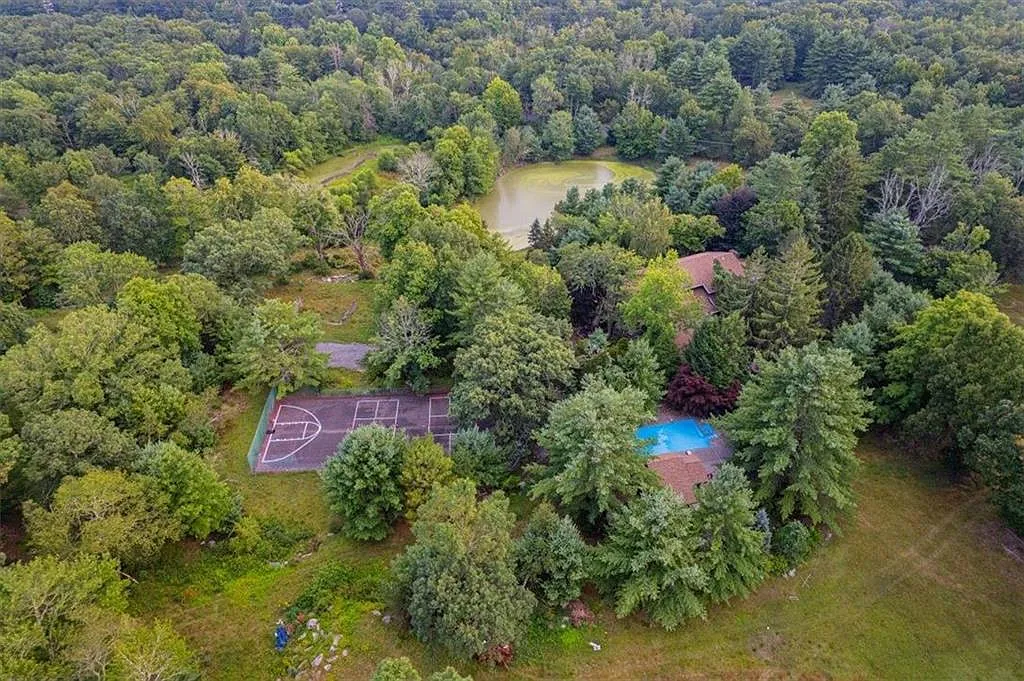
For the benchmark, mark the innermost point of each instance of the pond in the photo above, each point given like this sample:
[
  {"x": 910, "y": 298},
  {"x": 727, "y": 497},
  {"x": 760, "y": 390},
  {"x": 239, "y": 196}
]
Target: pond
[{"x": 530, "y": 193}]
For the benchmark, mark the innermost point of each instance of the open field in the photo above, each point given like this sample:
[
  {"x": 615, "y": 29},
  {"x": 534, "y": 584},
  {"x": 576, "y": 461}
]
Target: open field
[
  {"x": 346, "y": 306},
  {"x": 921, "y": 585},
  {"x": 347, "y": 162}
]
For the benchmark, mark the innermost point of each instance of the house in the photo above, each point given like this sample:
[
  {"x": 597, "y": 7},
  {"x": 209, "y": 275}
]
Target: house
[{"x": 701, "y": 268}]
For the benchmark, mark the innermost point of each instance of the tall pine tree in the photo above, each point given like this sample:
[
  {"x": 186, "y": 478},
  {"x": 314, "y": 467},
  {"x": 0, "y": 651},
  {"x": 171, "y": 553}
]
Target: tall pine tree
[
  {"x": 788, "y": 304},
  {"x": 719, "y": 351},
  {"x": 794, "y": 430},
  {"x": 734, "y": 549},
  {"x": 847, "y": 268}
]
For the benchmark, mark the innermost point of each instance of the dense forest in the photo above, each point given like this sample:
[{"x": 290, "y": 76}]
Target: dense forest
[{"x": 159, "y": 190}]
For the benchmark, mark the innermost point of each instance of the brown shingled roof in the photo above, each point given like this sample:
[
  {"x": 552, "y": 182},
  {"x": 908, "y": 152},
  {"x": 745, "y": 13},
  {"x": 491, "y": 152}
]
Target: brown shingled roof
[
  {"x": 701, "y": 268},
  {"x": 681, "y": 472}
]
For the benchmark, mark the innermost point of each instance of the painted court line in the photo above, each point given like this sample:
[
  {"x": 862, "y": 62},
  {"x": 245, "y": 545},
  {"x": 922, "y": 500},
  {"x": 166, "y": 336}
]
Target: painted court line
[{"x": 305, "y": 439}]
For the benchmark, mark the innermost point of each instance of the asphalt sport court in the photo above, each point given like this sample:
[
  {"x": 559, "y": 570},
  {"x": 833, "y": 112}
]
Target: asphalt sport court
[{"x": 304, "y": 430}]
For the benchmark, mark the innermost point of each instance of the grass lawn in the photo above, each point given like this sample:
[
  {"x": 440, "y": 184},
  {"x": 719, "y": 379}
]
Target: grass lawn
[
  {"x": 1012, "y": 302},
  {"x": 333, "y": 300},
  {"x": 922, "y": 584},
  {"x": 345, "y": 163}
]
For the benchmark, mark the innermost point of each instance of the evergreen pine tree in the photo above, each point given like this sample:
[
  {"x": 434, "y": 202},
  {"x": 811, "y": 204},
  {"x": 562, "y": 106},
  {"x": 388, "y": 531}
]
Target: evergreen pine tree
[
  {"x": 847, "y": 268},
  {"x": 788, "y": 303},
  {"x": 734, "y": 547},
  {"x": 719, "y": 351},
  {"x": 587, "y": 130},
  {"x": 794, "y": 430},
  {"x": 896, "y": 242}
]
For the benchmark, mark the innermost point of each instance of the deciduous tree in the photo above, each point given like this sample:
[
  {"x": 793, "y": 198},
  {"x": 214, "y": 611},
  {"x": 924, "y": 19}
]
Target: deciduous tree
[
  {"x": 103, "y": 513},
  {"x": 661, "y": 305},
  {"x": 456, "y": 581},
  {"x": 362, "y": 481},
  {"x": 424, "y": 466},
  {"x": 277, "y": 347},
  {"x": 405, "y": 348},
  {"x": 517, "y": 365},
  {"x": 196, "y": 496}
]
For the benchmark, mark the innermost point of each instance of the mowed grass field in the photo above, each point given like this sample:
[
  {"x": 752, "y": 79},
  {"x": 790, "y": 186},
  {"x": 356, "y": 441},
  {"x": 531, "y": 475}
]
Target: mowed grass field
[
  {"x": 924, "y": 583},
  {"x": 352, "y": 159},
  {"x": 345, "y": 306}
]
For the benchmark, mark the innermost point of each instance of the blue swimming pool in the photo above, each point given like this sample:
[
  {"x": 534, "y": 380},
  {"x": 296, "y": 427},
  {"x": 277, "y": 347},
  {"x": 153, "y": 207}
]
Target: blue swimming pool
[{"x": 676, "y": 436}]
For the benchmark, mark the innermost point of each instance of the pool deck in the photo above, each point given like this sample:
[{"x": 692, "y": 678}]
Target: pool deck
[{"x": 684, "y": 471}]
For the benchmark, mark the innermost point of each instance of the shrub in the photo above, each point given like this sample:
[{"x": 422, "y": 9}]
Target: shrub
[
  {"x": 793, "y": 542},
  {"x": 476, "y": 455},
  {"x": 387, "y": 161},
  {"x": 361, "y": 482},
  {"x": 266, "y": 538},
  {"x": 425, "y": 465},
  {"x": 691, "y": 393},
  {"x": 334, "y": 581}
]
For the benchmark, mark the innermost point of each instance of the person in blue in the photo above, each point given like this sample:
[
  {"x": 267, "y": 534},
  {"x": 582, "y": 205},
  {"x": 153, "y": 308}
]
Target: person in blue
[{"x": 280, "y": 636}]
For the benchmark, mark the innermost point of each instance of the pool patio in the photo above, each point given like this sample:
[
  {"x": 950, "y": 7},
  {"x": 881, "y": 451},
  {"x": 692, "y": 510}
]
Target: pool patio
[{"x": 684, "y": 471}]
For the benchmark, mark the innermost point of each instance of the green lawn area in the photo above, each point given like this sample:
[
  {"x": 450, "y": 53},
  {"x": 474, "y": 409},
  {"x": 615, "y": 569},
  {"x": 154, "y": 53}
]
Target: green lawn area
[
  {"x": 345, "y": 163},
  {"x": 922, "y": 584},
  {"x": 351, "y": 301},
  {"x": 1012, "y": 302}
]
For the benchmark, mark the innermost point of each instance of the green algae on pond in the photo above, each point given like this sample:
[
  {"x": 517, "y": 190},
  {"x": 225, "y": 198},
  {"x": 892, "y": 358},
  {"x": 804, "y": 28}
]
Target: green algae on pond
[{"x": 530, "y": 193}]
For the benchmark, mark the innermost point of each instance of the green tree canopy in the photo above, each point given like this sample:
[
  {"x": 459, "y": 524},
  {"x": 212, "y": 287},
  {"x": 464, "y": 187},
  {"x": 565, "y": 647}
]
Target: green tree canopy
[
  {"x": 88, "y": 276},
  {"x": 504, "y": 103},
  {"x": 661, "y": 305},
  {"x": 101, "y": 361},
  {"x": 45, "y": 604},
  {"x": 637, "y": 131},
  {"x": 733, "y": 549},
  {"x": 794, "y": 430},
  {"x": 551, "y": 557},
  {"x": 718, "y": 350},
  {"x": 954, "y": 363},
  {"x": 456, "y": 581},
  {"x": 164, "y": 308},
  {"x": 104, "y": 513},
  {"x": 595, "y": 463},
  {"x": 196, "y": 496},
  {"x": 405, "y": 348},
  {"x": 243, "y": 256},
  {"x": 425, "y": 465},
  {"x": 362, "y": 481},
  {"x": 516, "y": 366},
  {"x": 650, "y": 560},
  {"x": 277, "y": 347},
  {"x": 787, "y": 304}
]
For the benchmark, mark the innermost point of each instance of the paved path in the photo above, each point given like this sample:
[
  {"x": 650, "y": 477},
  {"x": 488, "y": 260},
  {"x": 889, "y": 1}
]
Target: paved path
[{"x": 345, "y": 355}]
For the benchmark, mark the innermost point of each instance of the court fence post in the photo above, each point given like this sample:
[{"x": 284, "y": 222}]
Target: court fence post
[{"x": 261, "y": 429}]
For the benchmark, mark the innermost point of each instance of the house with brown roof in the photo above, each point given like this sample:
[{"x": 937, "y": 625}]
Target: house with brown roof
[
  {"x": 682, "y": 473},
  {"x": 701, "y": 268}
]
